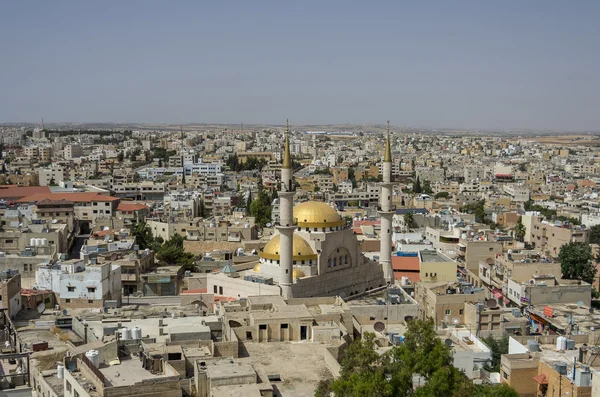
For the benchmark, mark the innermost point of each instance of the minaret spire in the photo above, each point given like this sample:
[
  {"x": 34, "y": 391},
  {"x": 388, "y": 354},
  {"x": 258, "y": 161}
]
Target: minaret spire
[
  {"x": 287, "y": 159},
  {"x": 388, "y": 147}
]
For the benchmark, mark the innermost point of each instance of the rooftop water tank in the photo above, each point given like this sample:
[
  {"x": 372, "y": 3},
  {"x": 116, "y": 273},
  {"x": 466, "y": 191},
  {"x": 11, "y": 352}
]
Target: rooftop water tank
[
  {"x": 561, "y": 343},
  {"x": 94, "y": 357},
  {"x": 125, "y": 334},
  {"x": 60, "y": 371},
  {"x": 533, "y": 345},
  {"x": 136, "y": 333}
]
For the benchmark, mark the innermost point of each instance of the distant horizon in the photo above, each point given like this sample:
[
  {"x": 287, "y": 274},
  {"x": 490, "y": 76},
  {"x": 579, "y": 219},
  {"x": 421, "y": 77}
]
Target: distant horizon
[
  {"x": 463, "y": 65},
  {"x": 381, "y": 125}
]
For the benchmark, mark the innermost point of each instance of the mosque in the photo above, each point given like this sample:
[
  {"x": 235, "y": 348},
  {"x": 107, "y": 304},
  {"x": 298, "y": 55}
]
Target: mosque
[{"x": 314, "y": 253}]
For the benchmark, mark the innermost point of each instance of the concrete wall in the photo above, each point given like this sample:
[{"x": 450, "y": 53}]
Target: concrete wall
[
  {"x": 394, "y": 313},
  {"x": 79, "y": 328},
  {"x": 560, "y": 294},
  {"x": 332, "y": 363},
  {"x": 226, "y": 349}
]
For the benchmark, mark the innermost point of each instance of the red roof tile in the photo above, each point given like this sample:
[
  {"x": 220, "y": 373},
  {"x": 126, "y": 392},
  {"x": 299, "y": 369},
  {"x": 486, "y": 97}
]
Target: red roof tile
[
  {"x": 131, "y": 206},
  {"x": 18, "y": 192},
  {"x": 406, "y": 263},
  {"x": 74, "y": 197}
]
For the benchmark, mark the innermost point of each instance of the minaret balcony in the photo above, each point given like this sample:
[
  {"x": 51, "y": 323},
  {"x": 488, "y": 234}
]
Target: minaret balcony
[
  {"x": 392, "y": 208},
  {"x": 294, "y": 223}
]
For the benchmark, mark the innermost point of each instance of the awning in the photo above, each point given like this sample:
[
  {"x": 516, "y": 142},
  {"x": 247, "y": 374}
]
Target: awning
[
  {"x": 498, "y": 294},
  {"x": 541, "y": 379}
]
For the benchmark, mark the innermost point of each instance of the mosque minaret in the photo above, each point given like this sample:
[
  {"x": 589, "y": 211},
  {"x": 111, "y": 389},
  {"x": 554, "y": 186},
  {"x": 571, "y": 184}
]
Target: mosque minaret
[
  {"x": 287, "y": 225},
  {"x": 386, "y": 211}
]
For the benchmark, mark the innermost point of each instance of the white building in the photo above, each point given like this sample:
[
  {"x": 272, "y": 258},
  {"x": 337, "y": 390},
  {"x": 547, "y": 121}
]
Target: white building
[{"x": 81, "y": 285}]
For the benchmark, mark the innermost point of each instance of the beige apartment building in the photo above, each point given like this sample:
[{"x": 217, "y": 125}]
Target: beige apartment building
[{"x": 548, "y": 237}]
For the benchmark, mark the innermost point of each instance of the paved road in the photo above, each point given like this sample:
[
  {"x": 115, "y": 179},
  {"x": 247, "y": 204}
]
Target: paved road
[{"x": 153, "y": 300}]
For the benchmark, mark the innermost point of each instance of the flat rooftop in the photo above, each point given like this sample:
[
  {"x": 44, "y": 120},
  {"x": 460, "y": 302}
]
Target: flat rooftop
[
  {"x": 431, "y": 256},
  {"x": 299, "y": 364},
  {"x": 150, "y": 326},
  {"x": 372, "y": 299},
  {"x": 129, "y": 372}
]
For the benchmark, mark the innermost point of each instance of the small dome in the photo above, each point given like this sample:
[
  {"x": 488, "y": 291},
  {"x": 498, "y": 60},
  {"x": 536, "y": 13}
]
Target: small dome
[
  {"x": 316, "y": 214},
  {"x": 298, "y": 273},
  {"x": 256, "y": 268},
  {"x": 302, "y": 250}
]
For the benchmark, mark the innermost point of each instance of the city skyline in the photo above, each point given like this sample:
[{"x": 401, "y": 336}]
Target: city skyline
[{"x": 509, "y": 66}]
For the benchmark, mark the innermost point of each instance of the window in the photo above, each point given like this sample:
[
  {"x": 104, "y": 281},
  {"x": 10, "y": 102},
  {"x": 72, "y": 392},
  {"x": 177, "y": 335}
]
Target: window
[
  {"x": 8, "y": 241},
  {"x": 216, "y": 289},
  {"x": 69, "y": 387},
  {"x": 90, "y": 301},
  {"x": 262, "y": 326},
  {"x": 220, "y": 290},
  {"x": 91, "y": 289},
  {"x": 68, "y": 300},
  {"x": 460, "y": 311},
  {"x": 448, "y": 312},
  {"x": 75, "y": 393},
  {"x": 71, "y": 289},
  {"x": 504, "y": 375},
  {"x": 284, "y": 326}
]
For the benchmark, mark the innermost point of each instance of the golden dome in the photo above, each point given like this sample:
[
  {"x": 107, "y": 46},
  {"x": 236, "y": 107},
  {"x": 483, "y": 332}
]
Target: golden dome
[
  {"x": 298, "y": 273},
  {"x": 302, "y": 250},
  {"x": 316, "y": 214},
  {"x": 256, "y": 268}
]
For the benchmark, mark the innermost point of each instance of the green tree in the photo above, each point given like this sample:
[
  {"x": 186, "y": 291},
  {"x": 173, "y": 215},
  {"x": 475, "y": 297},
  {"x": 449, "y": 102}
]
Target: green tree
[
  {"x": 417, "y": 186},
  {"x": 248, "y": 201},
  {"x": 260, "y": 209},
  {"x": 498, "y": 348},
  {"x": 576, "y": 262},
  {"x": 443, "y": 195},
  {"x": 143, "y": 235},
  {"x": 366, "y": 373},
  {"x": 408, "y": 219},
  {"x": 595, "y": 234},
  {"x": 427, "y": 187},
  {"x": 172, "y": 253},
  {"x": 120, "y": 157},
  {"x": 520, "y": 230}
]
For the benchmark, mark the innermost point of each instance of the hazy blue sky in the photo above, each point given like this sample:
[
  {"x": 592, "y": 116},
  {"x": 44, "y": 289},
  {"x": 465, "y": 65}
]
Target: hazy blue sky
[{"x": 462, "y": 64}]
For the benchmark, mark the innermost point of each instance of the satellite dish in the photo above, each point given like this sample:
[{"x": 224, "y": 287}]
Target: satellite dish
[
  {"x": 579, "y": 303},
  {"x": 41, "y": 308},
  {"x": 379, "y": 326},
  {"x": 268, "y": 224},
  {"x": 448, "y": 342},
  {"x": 455, "y": 320},
  {"x": 65, "y": 312},
  {"x": 491, "y": 302}
]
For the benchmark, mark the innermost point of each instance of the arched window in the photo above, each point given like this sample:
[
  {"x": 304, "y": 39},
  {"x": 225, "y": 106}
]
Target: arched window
[
  {"x": 346, "y": 260},
  {"x": 329, "y": 262},
  {"x": 334, "y": 262}
]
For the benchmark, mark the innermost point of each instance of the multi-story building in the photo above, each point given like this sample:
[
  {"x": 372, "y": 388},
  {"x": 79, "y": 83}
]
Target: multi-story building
[
  {"x": 73, "y": 151},
  {"x": 549, "y": 237},
  {"x": 53, "y": 175}
]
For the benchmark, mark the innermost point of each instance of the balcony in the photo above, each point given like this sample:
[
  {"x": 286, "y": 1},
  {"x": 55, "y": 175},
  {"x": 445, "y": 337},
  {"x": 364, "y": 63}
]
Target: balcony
[
  {"x": 392, "y": 208},
  {"x": 294, "y": 223}
]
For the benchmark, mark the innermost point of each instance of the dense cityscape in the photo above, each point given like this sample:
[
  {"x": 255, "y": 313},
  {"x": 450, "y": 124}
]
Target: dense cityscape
[{"x": 234, "y": 260}]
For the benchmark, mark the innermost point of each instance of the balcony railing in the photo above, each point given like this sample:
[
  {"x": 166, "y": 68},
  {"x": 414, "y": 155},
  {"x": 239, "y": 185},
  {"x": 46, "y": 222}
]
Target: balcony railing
[{"x": 392, "y": 208}]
